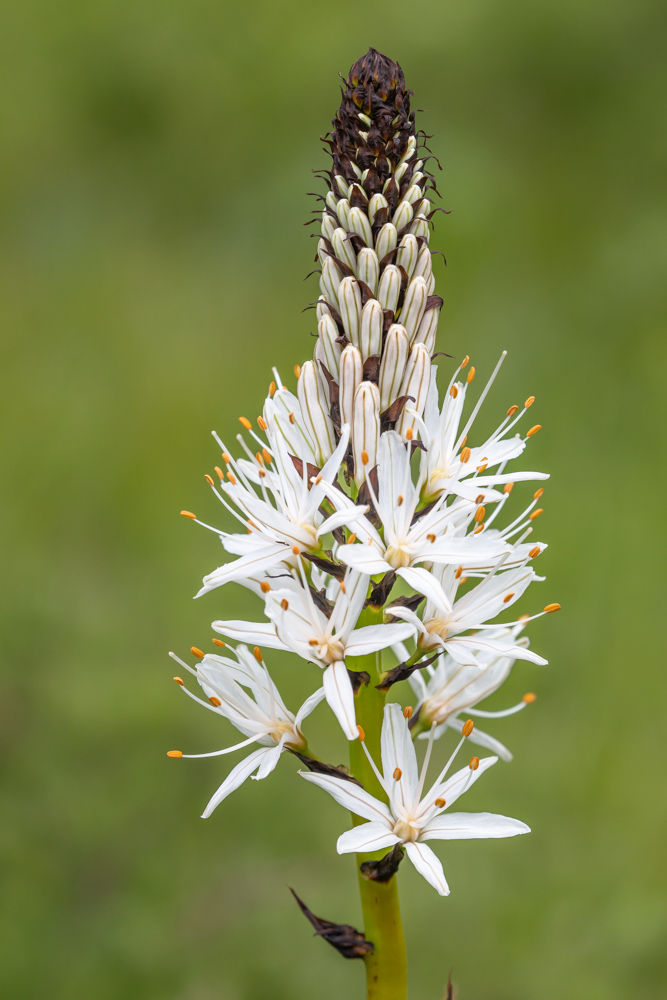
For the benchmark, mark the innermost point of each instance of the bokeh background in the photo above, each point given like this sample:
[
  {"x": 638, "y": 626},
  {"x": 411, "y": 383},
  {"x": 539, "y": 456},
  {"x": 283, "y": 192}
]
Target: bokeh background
[{"x": 153, "y": 176}]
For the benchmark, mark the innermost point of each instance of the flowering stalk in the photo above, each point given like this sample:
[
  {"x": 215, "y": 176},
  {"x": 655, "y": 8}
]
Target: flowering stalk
[{"x": 366, "y": 522}]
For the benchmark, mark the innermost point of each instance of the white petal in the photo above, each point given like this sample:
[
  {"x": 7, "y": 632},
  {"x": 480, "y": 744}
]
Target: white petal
[
  {"x": 236, "y": 778},
  {"x": 370, "y": 638},
  {"x": 366, "y": 558},
  {"x": 256, "y": 633},
  {"x": 367, "y": 837},
  {"x": 339, "y": 518},
  {"x": 482, "y": 740},
  {"x": 248, "y": 565},
  {"x": 270, "y": 760},
  {"x": 428, "y": 865},
  {"x": 398, "y": 752},
  {"x": 352, "y": 797},
  {"x": 308, "y": 706},
  {"x": 453, "y": 787},
  {"x": 425, "y": 583},
  {"x": 340, "y": 696},
  {"x": 472, "y": 826}
]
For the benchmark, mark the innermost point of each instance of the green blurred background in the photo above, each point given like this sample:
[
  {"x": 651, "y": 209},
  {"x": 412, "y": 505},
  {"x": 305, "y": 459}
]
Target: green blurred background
[{"x": 153, "y": 175}]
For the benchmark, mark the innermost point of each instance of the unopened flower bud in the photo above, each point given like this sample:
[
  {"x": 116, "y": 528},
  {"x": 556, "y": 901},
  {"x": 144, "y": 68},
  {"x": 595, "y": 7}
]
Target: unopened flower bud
[
  {"x": 349, "y": 305},
  {"x": 368, "y": 268},
  {"x": 343, "y": 248},
  {"x": 392, "y": 367},
  {"x": 370, "y": 337},
  {"x": 386, "y": 240},
  {"x": 414, "y": 305},
  {"x": 428, "y": 329},
  {"x": 390, "y": 287},
  {"x": 408, "y": 253},
  {"x": 360, "y": 225},
  {"x": 365, "y": 430},
  {"x": 329, "y": 281},
  {"x": 416, "y": 382},
  {"x": 330, "y": 350},
  {"x": 377, "y": 202},
  {"x": 424, "y": 266},
  {"x": 343, "y": 213},
  {"x": 328, "y": 226},
  {"x": 351, "y": 367},
  {"x": 403, "y": 215},
  {"x": 315, "y": 411}
]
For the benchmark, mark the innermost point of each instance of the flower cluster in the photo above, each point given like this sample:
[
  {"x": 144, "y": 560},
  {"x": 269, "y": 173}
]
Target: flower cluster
[{"x": 370, "y": 517}]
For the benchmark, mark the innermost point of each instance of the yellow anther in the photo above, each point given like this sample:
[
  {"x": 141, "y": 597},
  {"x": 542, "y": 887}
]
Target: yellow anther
[
  {"x": 533, "y": 430},
  {"x": 508, "y": 597},
  {"x": 362, "y": 734},
  {"x": 219, "y": 473},
  {"x": 512, "y": 410},
  {"x": 468, "y": 727},
  {"x": 480, "y": 498},
  {"x": 538, "y": 493},
  {"x": 179, "y": 680},
  {"x": 318, "y": 479},
  {"x": 482, "y": 467},
  {"x": 535, "y": 551},
  {"x": 290, "y": 417},
  {"x": 260, "y": 458},
  {"x": 261, "y": 473},
  {"x": 453, "y": 392},
  {"x": 364, "y": 457},
  {"x": 188, "y": 513},
  {"x": 479, "y": 514},
  {"x": 297, "y": 370},
  {"x": 225, "y": 458},
  {"x": 465, "y": 455},
  {"x": 265, "y": 587},
  {"x": 440, "y": 803},
  {"x": 409, "y": 434},
  {"x": 352, "y": 538},
  {"x": 208, "y": 479},
  {"x": 257, "y": 653},
  {"x": 463, "y": 579},
  {"x": 246, "y": 423},
  {"x": 267, "y": 457},
  {"x": 214, "y": 701},
  {"x": 463, "y": 441},
  {"x": 536, "y": 513},
  {"x": 197, "y": 652},
  {"x": 218, "y": 642},
  {"x": 232, "y": 478},
  {"x": 529, "y": 401},
  {"x": 458, "y": 572},
  {"x": 480, "y": 527},
  {"x": 465, "y": 361},
  {"x": 400, "y": 499},
  {"x": 529, "y": 698},
  {"x": 550, "y": 608},
  {"x": 397, "y": 775},
  {"x": 284, "y": 604},
  {"x": 508, "y": 487},
  {"x": 343, "y": 588},
  {"x": 407, "y": 712},
  {"x": 474, "y": 763},
  {"x": 296, "y": 550},
  {"x": 313, "y": 642},
  {"x": 523, "y": 618},
  {"x": 174, "y": 753},
  {"x": 261, "y": 423},
  {"x": 272, "y": 388},
  {"x": 471, "y": 375}
]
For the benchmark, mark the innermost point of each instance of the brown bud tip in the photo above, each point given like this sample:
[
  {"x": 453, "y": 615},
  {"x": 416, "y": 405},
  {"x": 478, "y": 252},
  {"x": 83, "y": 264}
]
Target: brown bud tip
[
  {"x": 440, "y": 803},
  {"x": 257, "y": 653},
  {"x": 536, "y": 513},
  {"x": 364, "y": 457},
  {"x": 535, "y": 551},
  {"x": 529, "y": 401},
  {"x": 296, "y": 550},
  {"x": 208, "y": 479},
  {"x": 188, "y": 513},
  {"x": 297, "y": 370},
  {"x": 533, "y": 430},
  {"x": 217, "y": 642},
  {"x": 550, "y": 608},
  {"x": 468, "y": 727},
  {"x": 265, "y": 587},
  {"x": 246, "y": 423},
  {"x": 197, "y": 652},
  {"x": 174, "y": 753},
  {"x": 471, "y": 375},
  {"x": 179, "y": 680},
  {"x": 407, "y": 712},
  {"x": 474, "y": 763},
  {"x": 397, "y": 774},
  {"x": 362, "y": 734},
  {"x": 529, "y": 698},
  {"x": 465, "y": 455},
  {"x": 214, "y": 701}
]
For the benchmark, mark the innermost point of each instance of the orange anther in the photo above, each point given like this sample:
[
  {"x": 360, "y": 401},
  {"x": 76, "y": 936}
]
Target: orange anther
[
  {"x": 225, "y": 458},
  {"x": 536, "y": 513},
  {"x": 218, "y": 642},
  {"x": 352, "y": 538},
  {"x": 480, "y": 527},
  {"x": 482, "y": 467},
  {"x": 407, "y": 712},
  {"x": 343, "y": 588},
  {"x": 246, "y": 423},
  {"x": 440, "y": 803},
  {"x": 458, "y": 572},
  {"x": 508, "y": 597},
  {"x": 290, "y": 417},
  {"x": 550, "y": 608},
  {"x": 463, "y": 441},
  {"x": 296, "y": 550},
  {"x": 197, "y": 652},
  {"x": 479, "y": 514},
  {"x": 529, "y": 698},
  {"x": 538, "y": 493},
  {"x": 188, "y": 513},
  {"x": 214, "y": 701},
  {"x": 174, "y": 753},
  {"x": 529, "y": 401},
  {"x": 313, "y": 642},
  {"x": 409, "y": 434},
  {"x": 297, "y": 370},
  {"x": 512, "y": 410},
  {"x": 284, "y": 604},
  {"x": 508, "y": 487},
  {"x": 431, "y": 537},
  {"x": 535, "y": 551},
  {"x": 474, "y": 763},
  {"x": 453, "y": 392},
  {"x": 261, "y": 423},
  {"x": 480, "y": 498},
  {"x": 260, "y": 458},
  {"x": 272, "y": 388},
  {"x": 179, "y": 680},
  {"x": 471, "y": 375},
  {"x": 399, "y": 500},
  {"x": 232, "y": 478},
  {"x": 208, "y": 479},
  {"x": 397, "y": 775},
  {"x": 465, "y": 455},
  {"x": 257, "y": 653},
  {"x": 523, "y": 618},
  {"x": 364, "y": 457},
  {"x": 362, "y": 734},
  {"x": 219, "y": 473},
  {"x": 265, "y": 587},
  {"x": 267, "y": 457},
  {"x": 533, "y": 430},
  {"x": 465, "y": 361},
  {"x": 463, "y": 579},
  {"x": 468, "y": 727}
]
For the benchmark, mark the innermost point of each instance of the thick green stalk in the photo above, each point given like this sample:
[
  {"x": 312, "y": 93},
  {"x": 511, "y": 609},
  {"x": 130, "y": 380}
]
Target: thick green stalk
[{"x": 386, "y": 967}]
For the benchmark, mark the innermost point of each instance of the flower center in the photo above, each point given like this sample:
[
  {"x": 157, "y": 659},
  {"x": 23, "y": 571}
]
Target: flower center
[
  {"x": 397, "y": 555},
  {"x": 282, "y": 727},
  {"x": 331, "y": 650},
  {"x": 404, "y": 829}
]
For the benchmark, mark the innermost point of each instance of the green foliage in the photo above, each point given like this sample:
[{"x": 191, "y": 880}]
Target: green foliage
[{"x": 154, "y": 164}]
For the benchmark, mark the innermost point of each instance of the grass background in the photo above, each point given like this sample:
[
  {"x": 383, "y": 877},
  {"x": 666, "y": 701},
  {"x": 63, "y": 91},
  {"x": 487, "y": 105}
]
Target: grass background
[{"x": 154, "y": 164}]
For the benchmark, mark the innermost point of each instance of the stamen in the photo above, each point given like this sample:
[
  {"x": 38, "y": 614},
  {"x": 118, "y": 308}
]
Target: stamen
[
  {"x": 409, "y": 434},
  {"x": 318, "y": 478},
  {"x": 197, "y": 652},
  {"x": 272, "y": 388},
  {"x": 482, "y": 467},
  {"x": 179, "y": 680},
  {"x": 220, "y": 474},
  {"x": 529, "y": 401},
  {"x": 529, "y": 698},
  {"x": 284, "y": 604},
  {"x": 208, "y": 479},
  {"x": 232, "y": 478},
  {"x": 262, "y": 424},
  {"x": 480, "y": 498},
  {"x": 246, "y": 423},
  {"x": 290, "y": 417},
  {"x": 364, "y": 457},
  {"x": 508, "y": 597},
  {"x": 260, "y": 458},
  {"x": 536, "y": 513},
  {"x": 468, "y": 727},
  {"x": 453, "y": 392},
  {"x": 431, "y": 538},
  {"x": 471, "y": 375},
  {"x": 508, "y": 488},
  {"x": 407, "y": 712},
  {"x": 174, "y": 753},
  {"x": 297, "y": 370},
  {"x": 550, "y": 608},
  {"x": 457, "y": 575},
  {"x": 479, "y": 514},
  {"x": 474, "y": 763},
  {"x": 265, "y": 587},
  {"x": 440, "y": 803},
  {"x": 218, "y": 642},
  {"x": 296, "y": 550},
  {"x": 352, "y": 538},
  {"x": 535, "y": 551},
  {"x": 214, "y": 701},
  {"x": 257, "y": 653},
  {"x": 362, "y": 734},
  {"x": 512, "y": 410},
  {"x": 397, "y": 775},
  {"x": 188, "y": 513},
  {"x": 463, "y": 441},
  {"x": 480, "y": 527},
  {"x": 464, "y": 362},
  {"x": 533, "y": 430},
  {"x": 343, "y": 588},
  {"x": 313, "y": 642},
  {"x": 465, "y": 455},
  {"x": 538, "y": 493},
  {"x": 400, "y": 499},
  {"x": 267, "y": 457}
]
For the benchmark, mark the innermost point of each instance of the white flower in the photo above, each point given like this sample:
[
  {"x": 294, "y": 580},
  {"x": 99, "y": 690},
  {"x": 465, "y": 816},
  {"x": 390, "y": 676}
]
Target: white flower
[
  {"x": 412, "y": 817},
  {"x": 297, "y": 624},
  {"x": 242, "y": 691},
  {"x": 435, "y": 537},
  {"x": 445, "y": 619},
  {"x": 448, "y": 465}
]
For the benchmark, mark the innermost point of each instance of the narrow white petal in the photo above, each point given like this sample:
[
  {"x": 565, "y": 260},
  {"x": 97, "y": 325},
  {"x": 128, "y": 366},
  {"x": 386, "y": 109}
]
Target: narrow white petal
[
  {"x": 472, "y": 826},
  {"x": 365, "y": 558},
  {"x": 428, "y": 865},
  {"x": 367, "y": 837},
  {"x": 270, "y": 761},
  {"x": 340, "y": 696},
  {"x": 256, "y": 633},
  {"x": 370, "y": 638},
  {"x": 236, "y": 778},
  {"x": 352, "y": 797},
  {"x": 249, "y": 565},
  {"x": 398, "y": 754},
  {"x": 425, "y": 583},
  {"x": 339, "y": 518},
  {"x": 308, "y": 706}
]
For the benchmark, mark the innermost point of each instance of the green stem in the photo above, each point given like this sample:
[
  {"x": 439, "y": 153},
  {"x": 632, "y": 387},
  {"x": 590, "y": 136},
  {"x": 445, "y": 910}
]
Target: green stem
[{"x": 386, "y": 967}]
